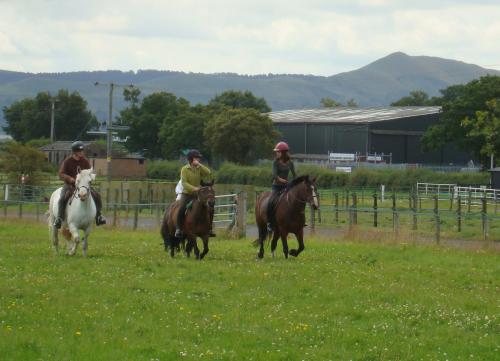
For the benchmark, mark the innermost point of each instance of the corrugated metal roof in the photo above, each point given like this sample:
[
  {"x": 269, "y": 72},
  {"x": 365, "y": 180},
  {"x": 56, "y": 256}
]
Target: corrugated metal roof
[{"x": 349, "y": 115}]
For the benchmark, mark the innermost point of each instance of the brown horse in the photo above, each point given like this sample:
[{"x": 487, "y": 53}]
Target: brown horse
[
  {"x": 289, "y": 214},
  {"x": 197, "y": 223}
]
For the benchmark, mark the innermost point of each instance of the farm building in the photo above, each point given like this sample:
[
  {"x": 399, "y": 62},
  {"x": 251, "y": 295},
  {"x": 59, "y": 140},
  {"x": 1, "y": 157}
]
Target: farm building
[
  {"x": 123, "y": 165},
  {"x": 394, "y": 131}
]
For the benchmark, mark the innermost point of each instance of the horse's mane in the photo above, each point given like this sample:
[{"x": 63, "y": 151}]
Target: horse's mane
[{"x": 298, "y": 180}]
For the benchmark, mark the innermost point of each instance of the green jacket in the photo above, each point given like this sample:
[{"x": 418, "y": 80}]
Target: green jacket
[{"x": 191, "y": 177}]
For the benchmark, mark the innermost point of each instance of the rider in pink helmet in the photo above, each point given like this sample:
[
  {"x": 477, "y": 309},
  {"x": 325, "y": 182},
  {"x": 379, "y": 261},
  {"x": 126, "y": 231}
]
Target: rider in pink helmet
[{"x": 282, "y": 166}]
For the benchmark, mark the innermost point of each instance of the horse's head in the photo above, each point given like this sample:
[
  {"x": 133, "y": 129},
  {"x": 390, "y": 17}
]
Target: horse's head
[
  {"x": 312, "y": 192},
  {"x": 82, "y": 183},
  {"x": 206, "y": 193},
  {"x": 307, "y": 190}
]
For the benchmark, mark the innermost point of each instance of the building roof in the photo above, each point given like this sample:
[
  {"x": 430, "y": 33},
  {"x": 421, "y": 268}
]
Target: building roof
[{"x": 349, "y": 115}]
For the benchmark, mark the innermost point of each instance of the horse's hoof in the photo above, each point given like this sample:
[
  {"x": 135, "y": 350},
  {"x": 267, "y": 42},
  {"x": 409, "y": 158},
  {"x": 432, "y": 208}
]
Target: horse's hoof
[
  {"x": 260, "y": 255},
  {"x": 293, "y": 252}
]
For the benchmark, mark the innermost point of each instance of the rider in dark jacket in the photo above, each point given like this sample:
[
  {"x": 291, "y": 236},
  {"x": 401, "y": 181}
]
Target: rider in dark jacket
[
  {"x": 282, "y": 166},
  {"x": 67, "y": 173}
]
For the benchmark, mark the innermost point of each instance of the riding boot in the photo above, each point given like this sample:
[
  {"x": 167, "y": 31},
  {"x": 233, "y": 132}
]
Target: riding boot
[
  {"x": 61, "y": 209},
  {"x": 180, "y": 215},
  {"x": 178, "y": 226},
  {"x": 99, "y": 218}
]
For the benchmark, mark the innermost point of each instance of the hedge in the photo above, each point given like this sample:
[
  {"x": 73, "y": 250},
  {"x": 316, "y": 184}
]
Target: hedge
[{"x": 229, "y": 173}]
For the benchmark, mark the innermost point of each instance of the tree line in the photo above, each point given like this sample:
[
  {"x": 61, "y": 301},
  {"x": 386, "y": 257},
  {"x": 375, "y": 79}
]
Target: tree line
[{"x": 233, "y": 125}]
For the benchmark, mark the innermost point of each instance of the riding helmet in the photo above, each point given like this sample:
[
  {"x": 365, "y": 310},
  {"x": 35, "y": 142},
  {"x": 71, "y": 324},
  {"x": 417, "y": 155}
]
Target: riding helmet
[
  {"x": 77, "y": 146},
  {"x": 194, "y": 153},
  {"x": 281, "y": 147}
]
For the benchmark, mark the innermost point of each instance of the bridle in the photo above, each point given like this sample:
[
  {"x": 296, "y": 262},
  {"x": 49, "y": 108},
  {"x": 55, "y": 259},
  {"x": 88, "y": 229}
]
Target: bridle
[{"x": 314, "y": 199}]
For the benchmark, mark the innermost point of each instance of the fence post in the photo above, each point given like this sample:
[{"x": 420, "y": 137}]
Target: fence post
[
  {"x": 451, "y": 201},
  {"x": 140, "y": 198},
  {"x": 151, "y": 199},
  {"x": 393, "y": 211},
  {"x": 414, "y": 209},
  {"x": 128, "y": 201},
  {"x": 158, "y": 216},
  {"x": 20, "y": 210},
  {"x": 115, "y": 205},
  {"x": 484, "y": 217},
  {"x": 375, "y": 215},
  {"x": 107, "y": 197},
  {"x": 459, "y": 214},
  {"x": 312, "y": 218},
  {"x": 437, "y": 220},
  {"x": 355, "y": 206},
  {"x": 319, "y": 208},
  {"x": 336, "y": 208},
  {"x": 239, "y": 230},
  {"x": 136, "y": 216},
  {"x": 469, "y": 201},
  {"x": 347, "y": 199}
]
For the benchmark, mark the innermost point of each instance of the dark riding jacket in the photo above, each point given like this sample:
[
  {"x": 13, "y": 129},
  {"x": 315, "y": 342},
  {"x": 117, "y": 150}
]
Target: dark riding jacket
[
  {"x": 69, "y": 168},
  {"x": 282, "y": 170}
]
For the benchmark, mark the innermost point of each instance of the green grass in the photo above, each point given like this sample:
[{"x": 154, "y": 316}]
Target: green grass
[{"x": 338, "y": 301}]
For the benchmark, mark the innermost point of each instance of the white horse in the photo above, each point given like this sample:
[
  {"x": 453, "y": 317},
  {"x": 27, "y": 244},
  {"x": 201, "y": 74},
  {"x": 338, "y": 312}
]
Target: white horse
[{"x": 80, "y": 213}]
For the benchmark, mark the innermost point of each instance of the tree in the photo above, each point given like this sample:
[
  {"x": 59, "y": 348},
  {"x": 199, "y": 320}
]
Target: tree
[
  {"x": 186, "y": 132},
  {"x": 29, "y": 118},
  {"x": 352, "y": 103},
  {"x": 460, "y": 102},
  {"x": 240, "y": 135},
  {"x": 157, "y": 111},
  {"x": 486, "y": 127},
  {"x": 330, "y": 103},
  {"x": 416, "y": 98},
  {"x": 238, "y": 99},
  {"x": 17, "y": 159}
]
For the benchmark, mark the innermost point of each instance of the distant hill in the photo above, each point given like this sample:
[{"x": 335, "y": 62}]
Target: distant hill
[{"x": 376, "y": 84}]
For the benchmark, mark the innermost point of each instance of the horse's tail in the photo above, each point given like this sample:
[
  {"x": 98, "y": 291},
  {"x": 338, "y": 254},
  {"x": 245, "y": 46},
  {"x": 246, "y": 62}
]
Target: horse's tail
[{"x": 265, "y": 235}]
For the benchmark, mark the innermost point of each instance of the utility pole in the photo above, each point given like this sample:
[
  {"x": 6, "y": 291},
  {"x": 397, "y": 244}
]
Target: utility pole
[
  {"x": 52, "y": 111},
  {"x": 109, "y": 125},
  {"x": 109, "y": 139}
]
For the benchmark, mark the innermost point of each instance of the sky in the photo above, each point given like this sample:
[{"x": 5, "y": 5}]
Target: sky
[{"x": 245, "y": 37}]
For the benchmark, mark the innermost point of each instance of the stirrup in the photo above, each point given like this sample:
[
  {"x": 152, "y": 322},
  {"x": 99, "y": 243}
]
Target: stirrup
[
  {"x": 269, "y": 227},
  {"x": 100, "y": 220},
  {"x": 178, "y": 233},
  {"x": 58, "y": 222}
]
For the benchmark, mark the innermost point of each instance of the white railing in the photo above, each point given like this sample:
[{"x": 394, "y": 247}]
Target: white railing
[
  {"x": 443, "y": 191},
  {"x": 474, "y": 194}
]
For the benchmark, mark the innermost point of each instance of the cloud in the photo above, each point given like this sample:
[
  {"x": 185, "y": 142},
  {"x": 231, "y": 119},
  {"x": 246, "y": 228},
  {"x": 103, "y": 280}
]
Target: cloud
[{"x": 318, "y": 37}]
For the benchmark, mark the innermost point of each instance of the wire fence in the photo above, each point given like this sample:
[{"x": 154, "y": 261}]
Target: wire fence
[{"x": 468, "y": 214}]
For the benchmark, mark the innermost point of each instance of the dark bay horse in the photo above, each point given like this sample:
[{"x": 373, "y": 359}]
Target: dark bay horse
[
  {"x": 197, "y": 223},
  {"x": 289, "y": 214}
]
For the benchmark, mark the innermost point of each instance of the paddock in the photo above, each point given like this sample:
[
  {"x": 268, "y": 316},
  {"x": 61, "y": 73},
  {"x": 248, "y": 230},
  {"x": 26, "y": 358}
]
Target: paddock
[{"x": 347, "y": 298}]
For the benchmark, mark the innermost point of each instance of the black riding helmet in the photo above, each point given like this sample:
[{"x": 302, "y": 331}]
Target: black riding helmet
[
  {"x": 194, "y": 153},
  {"x": 77, "y": 146}
]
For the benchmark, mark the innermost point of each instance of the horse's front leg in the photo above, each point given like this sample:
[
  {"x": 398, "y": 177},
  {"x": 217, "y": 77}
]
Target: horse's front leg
[
  {"x": 75, "y": 236},
  {"x": 193, "y": 244},
  {"x": 300, "y": 239},
  {"x": 85, "y": 241},
  {"x": 284, "y": 243},
  {"x": 205, "y": 246}
]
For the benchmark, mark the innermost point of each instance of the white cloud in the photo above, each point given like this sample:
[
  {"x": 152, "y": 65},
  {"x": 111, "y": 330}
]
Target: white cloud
[{"x": 319, "y": 37}]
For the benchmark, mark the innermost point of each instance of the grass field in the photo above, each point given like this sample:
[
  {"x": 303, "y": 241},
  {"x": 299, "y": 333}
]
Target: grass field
[{"x": 337, "y": 301}]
